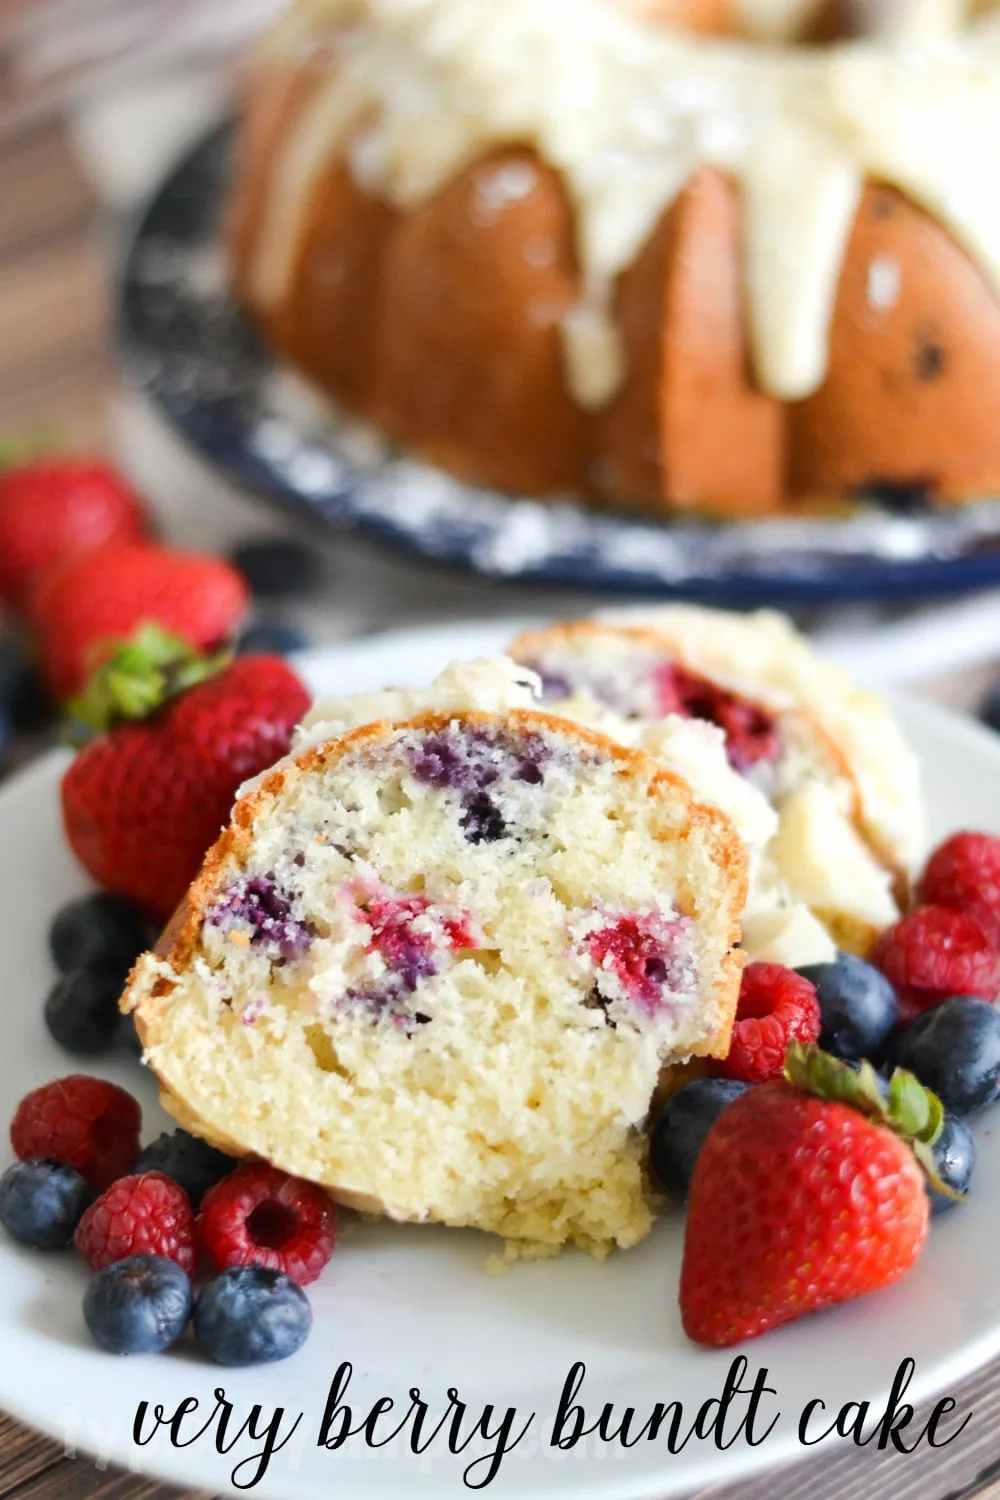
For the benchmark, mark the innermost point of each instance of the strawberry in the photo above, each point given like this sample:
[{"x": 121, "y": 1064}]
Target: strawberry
[
  {"x": 808, "y": 1191},
  {"x": 143, "y": 802},
  {"x": 105, "y": 595},
  {"x": 53, "y": 510}
]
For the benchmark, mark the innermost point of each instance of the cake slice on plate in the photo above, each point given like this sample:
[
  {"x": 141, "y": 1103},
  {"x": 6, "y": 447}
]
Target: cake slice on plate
[{"x": 437, "y": 962}]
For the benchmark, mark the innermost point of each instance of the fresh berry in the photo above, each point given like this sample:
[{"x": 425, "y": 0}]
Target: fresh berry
[
  {"x": 801, "y": 1201},
  {"x": 277, "y": 567},
  {"x": 989, "y": 708},
  {"x": 250, "y": 1315},
  {"x": 964, "y": 873},
  {"x": 776, "y": 1006},
  {"x": 143, "y": 1214},
  {"x": 102, "y": 933},
  {"x": 81, "y": 1013},
  {"x": 935, "y": 952},
  {"x": 42, "y": 1202},
  {"x": 101, "y": 599},
  {"x": 271, "y": 640},
  {"x": 138, "y": 1306},
  {"x": 26, "y": 699},
  {"x": 193, "y": 1163},
  {"x": 143, "y": 802},
  {"x": 57, "y": 509},
  {"x": 954, "y": 1049},
  {"x": 857, "y": 1004},
  {"x": 680, "y": 1132},
  {"x": 262, "y": 1217},
  {"x": 6, "y": 735},
  {"x": 954, "y": 1162},
  {"x": 84, "y": 1122}
]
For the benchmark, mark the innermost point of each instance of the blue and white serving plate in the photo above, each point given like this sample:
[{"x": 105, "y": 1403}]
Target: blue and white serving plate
[{"x": 185, "y": 343}]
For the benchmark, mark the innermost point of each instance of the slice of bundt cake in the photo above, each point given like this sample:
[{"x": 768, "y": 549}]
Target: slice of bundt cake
[
  {"x": 828, "y": 756},
  {"x": 436, "y": 965}
]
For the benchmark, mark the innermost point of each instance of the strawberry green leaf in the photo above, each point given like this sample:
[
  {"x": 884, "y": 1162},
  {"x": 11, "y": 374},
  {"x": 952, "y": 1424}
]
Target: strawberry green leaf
[
  {"x": 914, "y": 1111},
  {"x": 822, "y": 1074},
  {"x": 137, "y": 677},
  {"x": 20, "y": 448},
  {"x": 904, "y": 1106}
]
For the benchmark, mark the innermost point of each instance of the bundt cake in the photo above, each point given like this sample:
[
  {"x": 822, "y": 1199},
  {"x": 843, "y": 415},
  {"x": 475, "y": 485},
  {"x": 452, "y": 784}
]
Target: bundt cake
[
  {"x": 436, "y": 964},
  {"x": 828, "y": 757},
  {"x": 714, "y": 256}
]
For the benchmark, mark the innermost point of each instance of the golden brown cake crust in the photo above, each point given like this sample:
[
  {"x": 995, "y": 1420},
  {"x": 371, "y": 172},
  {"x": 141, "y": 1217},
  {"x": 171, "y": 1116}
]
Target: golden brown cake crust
[{"x": 681, "y": 312}]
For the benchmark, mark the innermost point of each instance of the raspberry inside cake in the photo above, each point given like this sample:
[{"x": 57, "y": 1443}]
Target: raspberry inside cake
[{"x": 438, "y": 965}]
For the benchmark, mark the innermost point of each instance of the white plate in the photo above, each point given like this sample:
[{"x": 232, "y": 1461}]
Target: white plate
[{"x": 416, "y": 1307}]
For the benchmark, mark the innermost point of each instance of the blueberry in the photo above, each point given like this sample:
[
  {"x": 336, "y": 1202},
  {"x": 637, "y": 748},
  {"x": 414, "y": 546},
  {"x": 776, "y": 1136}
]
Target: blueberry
[
  {"x": 482, "y": 821},
  {"x": 276, "y": 567},
  {"x": 102, "y": 932},
  {"x": 139, "y": 1305},
  {"x": 23, "y": 693},
  {"x": 271, "y": 640},
  {"x": 680, "y": 1132},
  {"x": 6, "y": 733},
  {"x": 251, "y": 1316},
  {"x": 955, "y": 1160},
  {"x": 989, "y": 708},
  {"x": 195, "y": 1164},
  {"x": 954, "y": 1049},
  {"x": 266, "y": 908},
  {"x": 81, "y": 1012},
  {"x": 42, "y": 1202},
  {"x": 858, "y": 1006}
]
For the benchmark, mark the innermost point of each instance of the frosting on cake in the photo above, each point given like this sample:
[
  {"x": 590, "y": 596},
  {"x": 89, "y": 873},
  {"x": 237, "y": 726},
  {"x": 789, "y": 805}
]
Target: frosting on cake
[{"x": 411, "y": 91}]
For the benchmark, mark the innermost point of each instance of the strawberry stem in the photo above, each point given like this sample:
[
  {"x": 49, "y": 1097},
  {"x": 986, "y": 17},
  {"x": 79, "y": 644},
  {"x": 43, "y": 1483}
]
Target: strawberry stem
[
  {"x": 139, "y": 677},
  {"x": 22, "y": 448},
  {"x": 904, "y": 1106}
]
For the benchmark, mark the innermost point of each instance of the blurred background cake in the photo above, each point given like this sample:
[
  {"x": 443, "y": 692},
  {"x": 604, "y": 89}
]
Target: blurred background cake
[{"x": 584, "y": 248}]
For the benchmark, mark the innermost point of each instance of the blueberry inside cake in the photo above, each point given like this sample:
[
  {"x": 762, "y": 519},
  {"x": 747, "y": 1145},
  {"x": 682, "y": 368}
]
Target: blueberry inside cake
[{"x": 437, "y": 966}]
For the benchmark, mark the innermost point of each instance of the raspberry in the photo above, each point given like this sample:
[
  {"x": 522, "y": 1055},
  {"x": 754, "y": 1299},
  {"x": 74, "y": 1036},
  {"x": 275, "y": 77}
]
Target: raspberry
[
  {"x": 751, "y": 731},
  {"x": 776, "y": 1006},
  {"x": 145, "y": 1214},
  {"x": 262, "y": 1217},
  {"x": 82, "y": 1122},
  {"x": 935, "y": 952},
  {"x": 964, "y": 873}
]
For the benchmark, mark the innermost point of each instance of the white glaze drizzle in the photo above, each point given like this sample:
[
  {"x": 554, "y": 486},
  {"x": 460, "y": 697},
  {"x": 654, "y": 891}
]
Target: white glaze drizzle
[{"x": 627, "y": 112}]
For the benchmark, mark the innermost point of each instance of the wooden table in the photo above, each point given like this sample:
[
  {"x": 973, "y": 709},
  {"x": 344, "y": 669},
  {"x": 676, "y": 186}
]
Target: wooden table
[{"x": 56, "y": 372}]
